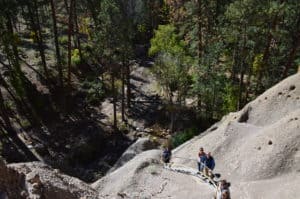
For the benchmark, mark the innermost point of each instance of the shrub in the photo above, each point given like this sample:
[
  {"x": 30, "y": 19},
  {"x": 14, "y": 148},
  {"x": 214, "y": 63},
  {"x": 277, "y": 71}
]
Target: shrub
[
  {"x": 63, "y": 40},
  {"x": 181, "y": 137},
  {"x": 94, "y": 89},
  {"x": 230, "y": 98},
  {"x": 75, "y": 59}
]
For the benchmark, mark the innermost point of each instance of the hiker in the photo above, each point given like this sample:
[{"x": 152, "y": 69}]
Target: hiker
[
  {"x": 166, "y": 155},
  {"x": 209, "y": 165},
  {"x": 222, "y": 187},
  {"x": 201, "y": 159},
  {"x": 225, "y": 194}
]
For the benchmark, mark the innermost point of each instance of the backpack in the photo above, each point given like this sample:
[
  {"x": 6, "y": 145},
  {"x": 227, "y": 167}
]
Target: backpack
[{"x": 166, "y": 154}]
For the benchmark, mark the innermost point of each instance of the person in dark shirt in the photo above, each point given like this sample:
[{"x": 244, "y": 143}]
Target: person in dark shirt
[
  {"x": 166, "y": 155},
  {"x": 209, "y": 165}
]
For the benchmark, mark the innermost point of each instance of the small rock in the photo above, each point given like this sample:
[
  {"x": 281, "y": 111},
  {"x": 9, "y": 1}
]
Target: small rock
[{"x": 259, "y": 148}]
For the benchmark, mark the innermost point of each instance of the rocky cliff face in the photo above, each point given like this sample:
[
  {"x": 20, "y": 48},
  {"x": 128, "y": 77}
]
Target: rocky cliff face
[
  {"x": 12, "y": 183},
  {"x": 36, "y": 180}
]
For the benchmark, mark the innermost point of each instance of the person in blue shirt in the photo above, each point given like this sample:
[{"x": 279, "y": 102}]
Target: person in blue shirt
[
  {"x": 166, "y": 155},
  {"x": 209, "y": 165}
]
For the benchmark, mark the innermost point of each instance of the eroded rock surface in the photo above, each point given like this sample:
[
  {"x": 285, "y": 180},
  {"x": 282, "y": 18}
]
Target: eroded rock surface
[{"x": 36, "y": 180}]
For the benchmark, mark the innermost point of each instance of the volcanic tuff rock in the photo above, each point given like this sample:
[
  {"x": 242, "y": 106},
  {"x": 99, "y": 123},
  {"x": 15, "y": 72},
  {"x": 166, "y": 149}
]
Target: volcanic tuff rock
[{"x": 256, "y": 149}]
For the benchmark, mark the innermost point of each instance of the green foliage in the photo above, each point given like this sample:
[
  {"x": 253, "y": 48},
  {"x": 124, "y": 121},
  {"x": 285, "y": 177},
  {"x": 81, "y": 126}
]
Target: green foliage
[
  {"x": 94, "y": 89},
  {"x": 141, "y": 28},
  {"x": 63, "y": 40},
  {"x": 230, "y": 99},
  {"x": 172, "y": 64},
  {"x": 84, "y": 26},
  {"x": 257, "y": 63},
  {"x": 123, "y": 127},
  {"x": 17, "y": 81},
  {"x": 172, "y": 73},
  {"x": 166, "y": 41},
  {"x": 75, "y": 58},
  {"x": 114, "y": 33},
  {"x": 33, "y": 36},
  {"x": 181, "y": 137}
]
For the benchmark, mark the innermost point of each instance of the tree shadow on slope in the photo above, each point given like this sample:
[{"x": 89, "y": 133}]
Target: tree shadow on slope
[
  {"x": 153, "y": 111},
  {"x": 10, "y": 150},
  {"x": 74, "y": 142},
  {"x": 146, "y": 108}
]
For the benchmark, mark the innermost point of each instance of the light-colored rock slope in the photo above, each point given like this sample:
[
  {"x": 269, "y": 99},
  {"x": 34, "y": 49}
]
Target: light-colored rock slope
[
  {"x": 256, "y": 149},
  {"x": 139, "y": 146},
  {"x": 144, "y": 177},
  {"x": 41, "y": 181}
]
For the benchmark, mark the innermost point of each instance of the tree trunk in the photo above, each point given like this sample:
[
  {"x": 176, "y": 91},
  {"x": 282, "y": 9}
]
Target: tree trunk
[
  {"x": 13, "y": 56},
  {"x": 248, "y": 84},
  {"x": 114, "y": 100},
  {"x": 128, "y": 86},
  {"x": 266, "y": 53},
  {"x": 172, "y": 114},
  {"x": 39, "y": 37},
  {"x": 199, "y": 102},
  {"x": 213, "y": 102},
  {"x": 11, "y": 132},
  {"x": 93, "y": 10},
  {"x": 199, "y": 30},
  {"x": 70, "y": 33},
  {"x": 77, "y": 31},
  {"x": 233, "y": 74},
  {"x": 66, "y": 6},
  {"x": 241, "y": 86},
  {"x": 199, "y": 44},
  {"x": 242, "y": 70},
  {"x": 293, "y": 51},
  {"x": 123, "y": 91},
  {"x": 57, "y": 50},
  {"x": 291, "y": 56},
  {"x": 4, "y": 112}
]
